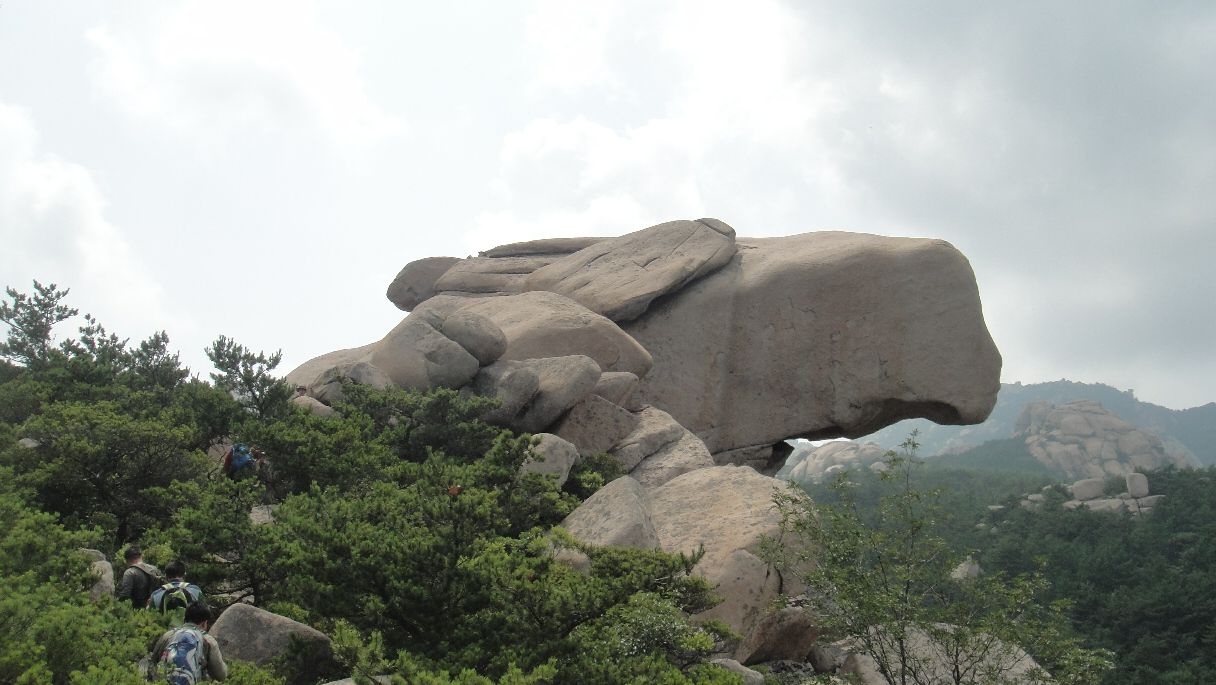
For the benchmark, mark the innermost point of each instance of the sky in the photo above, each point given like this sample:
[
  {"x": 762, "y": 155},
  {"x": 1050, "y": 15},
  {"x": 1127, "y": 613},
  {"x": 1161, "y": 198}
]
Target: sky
[{"x": 263, "y": 169}]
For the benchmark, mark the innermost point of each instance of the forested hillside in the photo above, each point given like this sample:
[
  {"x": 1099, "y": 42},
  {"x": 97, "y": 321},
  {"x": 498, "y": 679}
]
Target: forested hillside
[
  {"x": 1142, "y": 587},
  {"x": 1195, "y": 428},
  {"x": 404, "y": 527}
]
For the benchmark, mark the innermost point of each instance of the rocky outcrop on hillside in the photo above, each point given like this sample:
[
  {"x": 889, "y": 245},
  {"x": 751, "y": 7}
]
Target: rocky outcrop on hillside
[
  {"x": 830, "y": 458},
  {"x": 1082, "y": 440},
  {"x": 1091, "y": 493},
  {"x": 678, "y": 347},
  {"x": 1190, "y": 433}
]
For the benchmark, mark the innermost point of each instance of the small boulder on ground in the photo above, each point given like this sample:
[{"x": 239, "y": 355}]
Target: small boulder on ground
[
  {"x": 553, "y": 456},
  {"x": 248, "y": 633}
]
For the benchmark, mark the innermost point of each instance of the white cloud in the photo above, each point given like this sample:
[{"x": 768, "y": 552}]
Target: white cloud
[
  {"x": 53, "y": 228},
  {"x": 214, "y": 70}
]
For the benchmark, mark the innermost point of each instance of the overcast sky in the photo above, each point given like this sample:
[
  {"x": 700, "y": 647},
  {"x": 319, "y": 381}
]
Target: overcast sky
[{"x": 264, "y": 169}]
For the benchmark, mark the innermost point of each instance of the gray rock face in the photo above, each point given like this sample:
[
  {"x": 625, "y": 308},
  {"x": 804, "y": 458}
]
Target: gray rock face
[
  {"x": 1137, "y": 484},
  {"x": 620, "y": 277},
  {"x": 491, "y": 276},
  {"x": 821, "y": 335},
  {"x": 103, "y": 586},
  {"x": 313, "y": 405},
  {"x": 308, "y": 373},
  {"x": 514, "y": 384},
  {"x": 788, "y": 633},
  {"x": 561, "y": 383},
  {"x": 672, "y": 460},
  {"x": 1083, "y": 440},
  {"x": 617, "y": 514},
  {"x": 618, "y": 387},
  {"x": 476, "y": 334},
  {"x": 416, "y": 356},
  {"x": 248, "y": 633},
  {"x": 554, "y": 457},
  {"x": 1088, "y": 488},
  {"x": 654, "y": 429},
  {"x": 545, "y": 246},
  {"x": 541, "y": 324},
  {"x": 328, "y": 385},
  {"x": 595, "y": 424},
  {"x": 416, "y": 282},
  {"x": 728, "y": 510}
]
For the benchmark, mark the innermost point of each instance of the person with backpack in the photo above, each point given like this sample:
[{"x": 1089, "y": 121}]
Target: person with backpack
[
  {"x": 239, "y": 462},
  {"x": 139, "y": 579},
  {"x": 176, "y": 593},
  {"x": 187, "y": 655}
]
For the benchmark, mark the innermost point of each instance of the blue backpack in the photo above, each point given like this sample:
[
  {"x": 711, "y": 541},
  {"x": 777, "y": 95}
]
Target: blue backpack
[
  {"x": 181, "y": 662},
  {"x": 241, "y": 457}
]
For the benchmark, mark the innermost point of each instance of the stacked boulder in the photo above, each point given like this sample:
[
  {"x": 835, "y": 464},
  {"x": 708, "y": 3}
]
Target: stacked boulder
[
  {"x": 684, "y": 352},
  {"x": 1082, "y": 440},
  {"x": 1135, "y": 499}
]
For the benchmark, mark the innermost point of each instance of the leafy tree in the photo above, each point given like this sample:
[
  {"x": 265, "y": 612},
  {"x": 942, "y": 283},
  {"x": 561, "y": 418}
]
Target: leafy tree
[
  {"x": 885, "y": 584},
  {"x": 31, "y": 320},
  {"x": 94, "y": 464},
  {"x": 248, "y": 376}
]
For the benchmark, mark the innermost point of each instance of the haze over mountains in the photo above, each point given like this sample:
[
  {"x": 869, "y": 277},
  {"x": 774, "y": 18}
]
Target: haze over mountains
[{"x": 1193, "y": 429}]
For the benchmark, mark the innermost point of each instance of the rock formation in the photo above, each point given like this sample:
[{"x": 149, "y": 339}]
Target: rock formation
[
  {"x": 824, "y": 461},
  {"x": 678, "y": 347},
  {"x": 1083, "y": 440}
]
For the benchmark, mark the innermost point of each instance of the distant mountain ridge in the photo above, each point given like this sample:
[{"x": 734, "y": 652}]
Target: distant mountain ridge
[{"x": 1194, "y": 428}]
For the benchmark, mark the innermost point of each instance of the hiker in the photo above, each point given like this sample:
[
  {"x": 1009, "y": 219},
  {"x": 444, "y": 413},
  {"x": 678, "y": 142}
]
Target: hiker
[
  {"x": 176, "y": 593},
  {"x": 187, "y": 655},
  {"x": 139, "y": 579},
  {"x": 239, "y": 462}
]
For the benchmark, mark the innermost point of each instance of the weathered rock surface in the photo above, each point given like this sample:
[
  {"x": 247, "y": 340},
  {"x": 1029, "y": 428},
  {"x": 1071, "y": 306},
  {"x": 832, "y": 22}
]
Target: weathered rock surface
[
  {"x": 544, "y": 246},
  {"x": 308, "y": 373},
  {"x": 542, "y": 324},
  {"x": 416, "y": 356},
  {"x": 620, "y": 277},
  {"x": 248, "y": 633},
  {"x": 821, "y": 335},
  {"x": 811, "y": 465},
  {"x": 672, "y": 460},
  {"x": 497, "y": 276},
  {"x": 727, "y": 510},
  {"x": 513, "y": 384},
  {"x": 1088, "y": 488},
  {"x": 554, "y": 457},
  {"x": 560, "y": 383},
  {"x": 788, "y": 633},
  {"x": 416, "y": 282},
  {"x": 328, "y": 385},
  {"x": 1082, "y": 440},
  {"x": 654, "y": 429},
  {"x": 1137, "y": 484},
  {"x": 594, "y": 425},
  {"x": 617, "y": 514},
  {"x": 314, "y": 405},
  {"x": 618, "y": 387}
]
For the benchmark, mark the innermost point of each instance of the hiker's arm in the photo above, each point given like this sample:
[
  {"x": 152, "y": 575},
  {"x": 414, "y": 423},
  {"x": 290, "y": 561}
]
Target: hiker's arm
[
  {"x": 216, "y": 668},
  {"x": 127, "y": 586}
]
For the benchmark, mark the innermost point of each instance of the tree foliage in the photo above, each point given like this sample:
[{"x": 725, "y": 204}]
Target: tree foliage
[{"x": 884, "y": 583}]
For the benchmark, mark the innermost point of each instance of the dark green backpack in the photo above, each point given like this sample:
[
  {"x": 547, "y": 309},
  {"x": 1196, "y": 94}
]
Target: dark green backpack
[{"x": 175, "y": 597}]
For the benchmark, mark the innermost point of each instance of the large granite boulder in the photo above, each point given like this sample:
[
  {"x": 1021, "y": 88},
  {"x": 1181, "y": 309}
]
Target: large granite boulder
[
  {"x": 1081, "y": 440},
  {"x": 542, "y": 324},
  {"x": 415, "y": 283},
  {"x": 551, "y": 456},
  {"x": 821, "y": 335},
  {"x": 727, "y": 511},
  {"x": 595, "y": 425},
  {"x": 248, "y": 633},
  {"x": 619, "y": 278},
  {"x": 653, "y": 430},
  {"x": 618, "y": 514},
  {"x": 674, "y": 459},
  {"x": 999, "y": 662},
  {"x": 416, "y": 356}
]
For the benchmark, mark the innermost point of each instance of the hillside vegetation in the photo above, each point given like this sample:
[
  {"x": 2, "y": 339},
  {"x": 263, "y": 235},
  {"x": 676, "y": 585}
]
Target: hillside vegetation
[
  {"x": 1142, "y": 587},
  {"x": 1195, "y": 428},
  {"x": 404, "y": 527}
]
